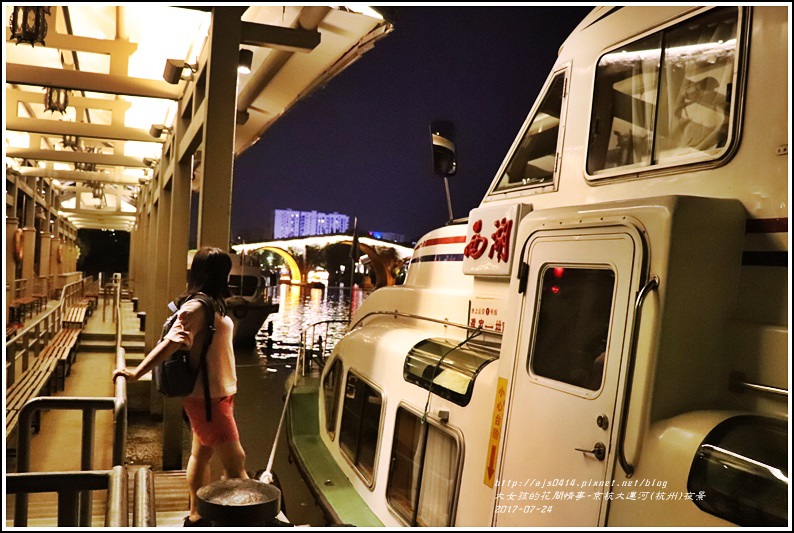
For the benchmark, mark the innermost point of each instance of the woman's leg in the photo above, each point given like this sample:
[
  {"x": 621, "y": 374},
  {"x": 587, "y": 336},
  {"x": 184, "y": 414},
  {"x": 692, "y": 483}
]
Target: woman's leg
[
  {"x": 198, "y": 473},
  {"x": 232, "y": 458}
]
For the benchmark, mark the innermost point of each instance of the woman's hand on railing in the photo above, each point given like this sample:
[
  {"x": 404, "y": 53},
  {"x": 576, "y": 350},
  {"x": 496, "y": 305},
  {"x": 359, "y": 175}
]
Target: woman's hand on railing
[{"x": 129, "y": 374}]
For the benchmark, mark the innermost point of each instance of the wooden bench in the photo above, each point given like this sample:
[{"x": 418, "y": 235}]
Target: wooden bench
[
  {"x": 67, "y": 341},
  {"x": 11, "y": 331},
  {"x": 61, "y": 357},
  {"x": 34, "y": 381},
  {"x": 26, "y": 306},
  {"x": 89, "y": 302},
  {"x": 41, "y": 301},
  {"x": 76, "y": 316},
  {"x": 92, "y": 294}
]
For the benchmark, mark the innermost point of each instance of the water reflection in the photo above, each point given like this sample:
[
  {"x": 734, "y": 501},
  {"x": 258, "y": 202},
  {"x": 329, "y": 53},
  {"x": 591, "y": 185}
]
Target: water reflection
[{"x": 300, "y": 307}]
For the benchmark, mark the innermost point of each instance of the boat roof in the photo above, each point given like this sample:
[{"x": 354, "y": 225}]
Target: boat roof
[{"x": 111, "y": 60}]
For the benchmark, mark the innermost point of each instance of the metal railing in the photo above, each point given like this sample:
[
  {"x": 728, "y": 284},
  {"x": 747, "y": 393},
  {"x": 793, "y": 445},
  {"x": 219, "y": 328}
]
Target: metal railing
[
  {"x": 400, "y": 314},
  {"x": 72, "y": 488},
  {"x": 314, "y": 346},
  {"x": 79, "y": 498}
]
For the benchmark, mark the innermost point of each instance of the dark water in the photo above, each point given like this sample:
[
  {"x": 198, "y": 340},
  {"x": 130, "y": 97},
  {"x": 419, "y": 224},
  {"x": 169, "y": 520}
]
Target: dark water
[
  {"x": 300, "y": 308},
  {"x": 262, "y": 373}
]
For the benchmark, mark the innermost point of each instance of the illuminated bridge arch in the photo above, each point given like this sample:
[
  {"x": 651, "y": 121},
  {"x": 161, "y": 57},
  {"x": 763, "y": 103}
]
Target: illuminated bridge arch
[
  {"x": 292, "y": 264},
  {"x": 383, "y": 275},
  {"x": 381, "y": 265}
]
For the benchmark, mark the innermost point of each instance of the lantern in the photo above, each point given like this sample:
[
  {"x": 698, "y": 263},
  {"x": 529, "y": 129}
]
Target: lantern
[
  {"x": 56, "y": 99},
  {"x": 29, "y": 24}
]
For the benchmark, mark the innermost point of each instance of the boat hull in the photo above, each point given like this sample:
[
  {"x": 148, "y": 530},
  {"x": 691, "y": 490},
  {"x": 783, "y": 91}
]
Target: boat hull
[{"x": 248, "y": 319}]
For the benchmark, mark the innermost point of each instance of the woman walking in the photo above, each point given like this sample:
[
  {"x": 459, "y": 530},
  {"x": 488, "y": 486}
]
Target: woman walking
[{"x": 209, "y": 275}]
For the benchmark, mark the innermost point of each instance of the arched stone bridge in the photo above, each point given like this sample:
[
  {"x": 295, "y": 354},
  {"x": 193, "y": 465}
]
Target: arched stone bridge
[{"x": 383, "y": 256}]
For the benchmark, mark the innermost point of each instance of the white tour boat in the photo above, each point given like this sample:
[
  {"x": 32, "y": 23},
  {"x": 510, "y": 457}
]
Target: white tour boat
[{"x": 604, "y": 341}]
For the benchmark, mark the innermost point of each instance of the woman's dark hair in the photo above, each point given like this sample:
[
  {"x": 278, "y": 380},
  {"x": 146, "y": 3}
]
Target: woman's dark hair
[{"x": 209, "y": 273}]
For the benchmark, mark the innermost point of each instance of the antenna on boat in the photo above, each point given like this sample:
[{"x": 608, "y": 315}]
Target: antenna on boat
[
  {"x": 355, "y": 253},
  {"x": 445, "y": 164}
]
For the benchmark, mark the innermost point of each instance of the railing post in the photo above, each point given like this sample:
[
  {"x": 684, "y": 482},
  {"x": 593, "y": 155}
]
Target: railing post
[
  {"x": 143, "y": 513},
  {"x": 86, "y": 459},
  {"x": 38, "y": 341},
  {"x": 117, "y": 514},
  {"x": 68, "y": 501},
  {"x": 24, "y": 338},
  {"x": 11, "y": 359}
]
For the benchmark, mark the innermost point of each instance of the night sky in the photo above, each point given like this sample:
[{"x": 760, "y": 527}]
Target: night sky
[{"x": 361, "y": 145}]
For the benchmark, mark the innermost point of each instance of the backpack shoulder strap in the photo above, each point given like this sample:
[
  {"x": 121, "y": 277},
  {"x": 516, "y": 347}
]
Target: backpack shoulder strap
[{"x": 209, "y": 306}]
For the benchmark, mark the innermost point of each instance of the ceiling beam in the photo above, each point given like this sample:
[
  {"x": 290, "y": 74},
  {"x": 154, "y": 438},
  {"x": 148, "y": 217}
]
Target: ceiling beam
[
  {"x": 67, "y": 156},
  {"x": 79, "y": 80},
  {"x": 279, "y": 37},
  {"x": 92, "y": 213},
  {"x": 79, "y": 129},
  {"x": 93, "y": 224},
  {"x": 110, "y": 104},
  {"x": 65, "y": 41},
  {"x": 78, "y": 175}
]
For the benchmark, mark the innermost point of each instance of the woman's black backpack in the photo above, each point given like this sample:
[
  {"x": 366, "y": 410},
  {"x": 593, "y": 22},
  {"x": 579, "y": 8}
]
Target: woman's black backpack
[{"x": 174, "y": 377}]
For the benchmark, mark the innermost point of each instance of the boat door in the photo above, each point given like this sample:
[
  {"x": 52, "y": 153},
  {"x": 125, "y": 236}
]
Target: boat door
[{"x": 559, "y": 444}]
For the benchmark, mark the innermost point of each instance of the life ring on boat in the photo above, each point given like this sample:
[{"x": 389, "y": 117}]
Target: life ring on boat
[
  {"x": 241, "y": 311},
  {"x": 59, "y": 255},
  {"x": 19, "y": 244}
]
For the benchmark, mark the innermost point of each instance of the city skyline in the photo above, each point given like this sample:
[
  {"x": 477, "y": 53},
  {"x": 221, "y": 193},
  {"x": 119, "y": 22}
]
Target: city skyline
[
  {"x": 290, "y": 223},
  {"x": 294, "y": 223}
]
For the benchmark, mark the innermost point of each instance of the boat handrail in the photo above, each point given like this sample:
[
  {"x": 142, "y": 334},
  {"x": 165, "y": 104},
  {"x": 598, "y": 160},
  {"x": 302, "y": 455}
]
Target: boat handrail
[
  {"x": 324, "y": 347},
  {"x": 420, "y": 317}
]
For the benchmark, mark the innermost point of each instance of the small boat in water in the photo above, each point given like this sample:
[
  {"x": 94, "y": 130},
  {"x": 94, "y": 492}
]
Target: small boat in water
[{"x": 250, "y": 304}]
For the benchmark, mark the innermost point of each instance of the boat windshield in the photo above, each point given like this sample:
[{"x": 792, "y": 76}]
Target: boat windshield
[
  {"x": 249, "y": 285},
  {"x": 446, "y": 369}
]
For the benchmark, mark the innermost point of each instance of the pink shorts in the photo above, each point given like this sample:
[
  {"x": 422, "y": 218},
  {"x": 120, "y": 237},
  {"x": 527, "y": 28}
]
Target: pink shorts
[{"x": 223, "y": 427}]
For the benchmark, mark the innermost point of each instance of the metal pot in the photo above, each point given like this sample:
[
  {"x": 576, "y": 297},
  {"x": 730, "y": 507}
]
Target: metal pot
[{"x": 239, "y": 502}]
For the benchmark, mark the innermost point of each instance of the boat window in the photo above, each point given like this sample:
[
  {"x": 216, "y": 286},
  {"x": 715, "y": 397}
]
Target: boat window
[
  {"x": 572, "y": 325},
  {"x": 424, "y": 470},
  {"x": 447, "y": 369},
  {"x": 533, "y": 162},
  {"x": 666, "y": 98},
  {"x": 331, "y": 386},
  {"x": 740, "y": 472},
  {"x": 358, "y": 433}
]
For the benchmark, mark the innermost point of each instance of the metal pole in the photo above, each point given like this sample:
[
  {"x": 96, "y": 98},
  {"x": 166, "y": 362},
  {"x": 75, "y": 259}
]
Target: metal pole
[
  {"x": 449, "y": 199},
  {"x": 68, "y": 502},
  {"x": 86, "y": 455},
  {"x": 143, "y": 513},
  {"x": 117, "y": 514}
]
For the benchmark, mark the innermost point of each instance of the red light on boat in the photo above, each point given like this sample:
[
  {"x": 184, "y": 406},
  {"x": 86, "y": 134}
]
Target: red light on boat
[
  {"x": 558, "y": 272},
  {"x": 555, "y": 289}
]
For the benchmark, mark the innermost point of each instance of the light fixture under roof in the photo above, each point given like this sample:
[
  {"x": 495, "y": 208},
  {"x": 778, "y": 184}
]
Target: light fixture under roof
[
  {"x": 245, "y": 60},
  {"x": 157, "y": 130},
  {"x": 173, "y": 70}
]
